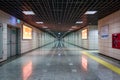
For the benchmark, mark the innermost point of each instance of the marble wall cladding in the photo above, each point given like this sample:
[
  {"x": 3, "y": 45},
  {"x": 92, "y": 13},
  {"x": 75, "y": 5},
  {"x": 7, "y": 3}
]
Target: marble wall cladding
[
  {"x": 39, "y": 38},
  {"x": 27, "y": 45},
  {"x": 4, "y": 41},
  {"x": 90, "y": 43},
  {"x": 93, "y": 37},
  {"x": 105, "y": 45}
]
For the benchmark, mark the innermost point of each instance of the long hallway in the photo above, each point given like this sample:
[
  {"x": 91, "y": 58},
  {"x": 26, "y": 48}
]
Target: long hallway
[
  {"x": 59, "y": 40},
  {"x": 59, "y": 61}
]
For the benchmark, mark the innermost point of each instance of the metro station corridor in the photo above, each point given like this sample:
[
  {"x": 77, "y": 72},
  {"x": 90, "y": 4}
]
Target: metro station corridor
[
  {"x": 59, "y": 39},
  {"x": 58, "y": 61}
]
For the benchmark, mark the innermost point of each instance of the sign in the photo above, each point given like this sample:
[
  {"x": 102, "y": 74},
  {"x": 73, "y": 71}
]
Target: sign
[
  {"x": 84, "y": 34},
  {"x": 104, "y": 33},
  {"x": 116, "y": 40},
  {"x": 27, "y": 32}
]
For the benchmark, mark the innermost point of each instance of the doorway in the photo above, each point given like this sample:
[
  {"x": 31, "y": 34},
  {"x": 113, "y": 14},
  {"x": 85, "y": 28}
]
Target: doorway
[
  {"x": 1, "y": 41},
  {"x": 13, "y": 41}
]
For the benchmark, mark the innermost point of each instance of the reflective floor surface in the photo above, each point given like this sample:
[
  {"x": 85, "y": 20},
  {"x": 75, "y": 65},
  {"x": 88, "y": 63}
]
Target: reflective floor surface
[{"x": 58, "y": 61}]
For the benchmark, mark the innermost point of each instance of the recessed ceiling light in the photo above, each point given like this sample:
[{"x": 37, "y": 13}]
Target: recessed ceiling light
[
  {"x": 90, "y": 12},
  {"x": 28, "y": 12},
  {"x": 48, "y": 29},
  {"x": 44, "y": 27},
  {"x": 70, "y": 29},
  {"x": 79, "y": 22},
  {"x": 74, "y": 26},
  {"x": 39, "y": 22}
]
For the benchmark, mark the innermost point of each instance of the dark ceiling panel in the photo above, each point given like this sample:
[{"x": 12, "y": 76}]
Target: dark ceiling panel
[{"x": 60, "y": 15}]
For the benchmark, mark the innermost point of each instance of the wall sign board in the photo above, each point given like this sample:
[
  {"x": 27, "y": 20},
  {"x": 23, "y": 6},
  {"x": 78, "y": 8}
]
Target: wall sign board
[
  {"x": 116, "y": 40},
  {"x": 84, "y": 34},
  {"x": 27, "y": 32},
  {"x": 104, "y": 32}
]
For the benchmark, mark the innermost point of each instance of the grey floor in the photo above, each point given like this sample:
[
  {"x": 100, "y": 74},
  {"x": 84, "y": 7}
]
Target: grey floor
[{"x": 56, "y": 62}]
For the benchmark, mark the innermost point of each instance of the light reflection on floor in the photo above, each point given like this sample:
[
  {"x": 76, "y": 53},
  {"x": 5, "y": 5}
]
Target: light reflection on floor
[
  {"x": 59, "y": 61},
  {"x": 27, "y": 70},
  {"x": 84, "y": 62}
]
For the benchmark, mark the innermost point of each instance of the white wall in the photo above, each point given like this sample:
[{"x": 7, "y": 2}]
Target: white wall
[
  {"x": 105, "y": 45},
  {"x": 93, "y": 37},
  {"x": 90, "y": 43},
  {"x": 39, "y": 38},
  {"x": 27, "y": 45}
]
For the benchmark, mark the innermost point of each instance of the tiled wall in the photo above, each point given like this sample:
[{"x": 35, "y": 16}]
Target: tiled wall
[
  {"x": 105, "y": 45},
  {"x": 4, "y": 41},
  {"x": 74, "y": 38},
  {"x": 93, "y": 37},
  {"x": 39, "y": 38},
  {"x": 85, "y": 42},
  {"x": 1, "y": 41},
  {"x": 27, "y": 45},
  {"x": 90, "y": 43}
]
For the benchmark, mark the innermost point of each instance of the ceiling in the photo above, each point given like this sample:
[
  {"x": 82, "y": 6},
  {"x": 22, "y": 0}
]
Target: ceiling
[{"x": 60, "y": 15}]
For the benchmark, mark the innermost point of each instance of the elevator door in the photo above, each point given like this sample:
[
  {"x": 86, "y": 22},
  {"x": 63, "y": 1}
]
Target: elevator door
[
  {"x": 1, "y": 42},
  {"x": 12, "y": 46}
]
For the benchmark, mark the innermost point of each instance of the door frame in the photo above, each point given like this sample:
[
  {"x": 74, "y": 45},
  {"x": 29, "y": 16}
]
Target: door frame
[
  {"x": 18, "y": 39},
  {"x": 1, "y": 39}
]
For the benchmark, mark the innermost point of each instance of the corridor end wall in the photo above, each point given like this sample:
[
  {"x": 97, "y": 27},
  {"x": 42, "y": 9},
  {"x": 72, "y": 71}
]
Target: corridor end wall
[{"x": 90, "y": 43}]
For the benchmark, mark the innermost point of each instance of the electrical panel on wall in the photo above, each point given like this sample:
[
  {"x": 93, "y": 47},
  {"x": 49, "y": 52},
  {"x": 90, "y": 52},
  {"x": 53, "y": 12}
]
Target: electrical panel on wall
[{"x": 116, "y": 40}]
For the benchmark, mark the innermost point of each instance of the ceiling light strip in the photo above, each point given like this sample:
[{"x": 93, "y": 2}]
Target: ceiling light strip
[
  {"x": 79, "y": 22},
  {"x": 28, "y": 12},
  {"x": 39, "y": 22}
]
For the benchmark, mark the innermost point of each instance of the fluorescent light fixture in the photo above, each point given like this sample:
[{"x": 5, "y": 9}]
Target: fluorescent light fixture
[
  {"x": 39, "y": 22},
  {"x": 79, "y": 22},
  {"x": 48, "y": 29},
  {"x": 44, "y": 27},
  {"x": 90, "y": 12},
  {"x": 28, "y": 12},
  {"x": 70, "y": 29},
  {"x": 74, "y": 26}
]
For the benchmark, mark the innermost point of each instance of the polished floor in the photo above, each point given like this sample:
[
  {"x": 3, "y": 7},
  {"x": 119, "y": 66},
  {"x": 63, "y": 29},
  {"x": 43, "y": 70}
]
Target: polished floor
[{"x": 59, "y": 61}]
